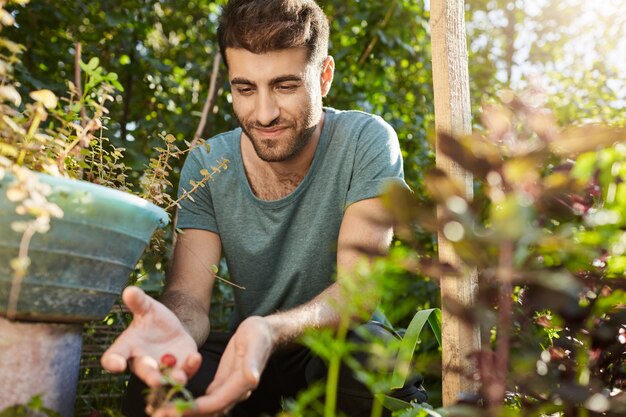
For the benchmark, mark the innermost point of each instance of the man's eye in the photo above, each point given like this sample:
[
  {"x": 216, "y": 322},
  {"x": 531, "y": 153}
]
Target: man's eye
[
  {"x": 287, "y": 87},
  {"x": 245, "y": 91}
]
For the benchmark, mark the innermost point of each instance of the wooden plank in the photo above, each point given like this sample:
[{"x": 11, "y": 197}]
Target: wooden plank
[{"x": 453, "y": 115}]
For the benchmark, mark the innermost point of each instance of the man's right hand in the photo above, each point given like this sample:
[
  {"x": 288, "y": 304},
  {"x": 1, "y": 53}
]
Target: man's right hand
[{"x": 154, "y": 331}]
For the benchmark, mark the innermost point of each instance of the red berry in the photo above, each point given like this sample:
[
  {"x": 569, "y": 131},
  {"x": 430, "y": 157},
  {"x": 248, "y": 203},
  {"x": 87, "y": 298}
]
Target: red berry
[{"x": 168, "y": 360}]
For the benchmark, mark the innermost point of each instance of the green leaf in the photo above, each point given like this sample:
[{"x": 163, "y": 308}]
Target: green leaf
[
  {"x": 117, "y": 85},
  {"x": 36, "y": 402},
  {"x": 434, "y": 319},
  {"x": 585, "y": 165},
  {"x": 409, "y": 341},
  {"x": 8, "y": 150},
  {"x": 392, "y": 404},
  {"x": 93, "y": 64},
  {"x": 183, "y": 405},
  {"x": 609, "y": 303}
]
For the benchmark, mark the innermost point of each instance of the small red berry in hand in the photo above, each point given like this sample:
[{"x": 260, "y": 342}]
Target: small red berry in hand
[
  {"x": 168, "y": 360},
  {"x": 170, "y": 391}
]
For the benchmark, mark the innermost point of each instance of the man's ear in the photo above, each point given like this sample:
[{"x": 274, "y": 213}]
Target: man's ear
[{"x": 328, "y": 71}]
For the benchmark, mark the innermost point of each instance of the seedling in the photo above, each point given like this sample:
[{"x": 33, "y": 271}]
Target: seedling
[{"x": 170, "y": 391}]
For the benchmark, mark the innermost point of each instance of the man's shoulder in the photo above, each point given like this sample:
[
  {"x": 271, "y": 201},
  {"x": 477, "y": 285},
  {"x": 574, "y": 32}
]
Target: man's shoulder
[
  {"x": 356, "y": 119},
  {"x": 222, "y": 145},
  {"x": 352, "y": 114},
  {"x": 360, "y": 124}
]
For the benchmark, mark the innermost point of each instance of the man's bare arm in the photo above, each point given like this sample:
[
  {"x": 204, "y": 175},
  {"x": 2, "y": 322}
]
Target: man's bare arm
[
  {"x": 366, "y": 230},
  {"x": 190, "y": 280}
]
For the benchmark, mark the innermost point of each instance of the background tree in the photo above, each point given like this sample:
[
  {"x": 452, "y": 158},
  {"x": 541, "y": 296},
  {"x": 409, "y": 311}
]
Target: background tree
[{"x": 572, "y": 49}]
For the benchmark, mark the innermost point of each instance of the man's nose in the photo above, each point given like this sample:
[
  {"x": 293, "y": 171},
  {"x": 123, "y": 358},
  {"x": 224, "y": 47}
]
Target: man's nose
[{"x": 267, "y": 109}]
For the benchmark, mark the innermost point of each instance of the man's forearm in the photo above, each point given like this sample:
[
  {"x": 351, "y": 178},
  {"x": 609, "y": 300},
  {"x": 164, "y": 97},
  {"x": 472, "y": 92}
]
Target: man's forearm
[
  {"x": 190, "y": 313},
  {"x": 321, "y": 312}
]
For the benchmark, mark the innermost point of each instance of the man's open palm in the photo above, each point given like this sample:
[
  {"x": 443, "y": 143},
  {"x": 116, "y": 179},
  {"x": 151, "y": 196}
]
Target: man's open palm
[{"x": 154, "y": 331}]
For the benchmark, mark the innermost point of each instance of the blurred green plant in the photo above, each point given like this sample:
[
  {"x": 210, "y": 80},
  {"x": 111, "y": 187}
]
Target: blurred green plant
[
  {"x": 382, "y": 365},
  {"x": 34, "y": 407},
  {"x": 546, "y": 235}
]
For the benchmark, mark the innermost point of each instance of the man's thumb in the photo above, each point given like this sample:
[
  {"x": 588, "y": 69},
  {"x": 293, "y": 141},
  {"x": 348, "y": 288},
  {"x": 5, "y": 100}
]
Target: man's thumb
[{"x": 136, "y": 300}]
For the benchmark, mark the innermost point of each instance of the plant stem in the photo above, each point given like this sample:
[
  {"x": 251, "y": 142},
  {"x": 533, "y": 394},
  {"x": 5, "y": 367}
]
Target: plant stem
[
  {"x": 377, "y": 407},
  {"x": 31, "y": 131},
  {"x": 505, "y": 306},
  {"x": 334, "y": 366},
  {"x": 18, "y": 276}
]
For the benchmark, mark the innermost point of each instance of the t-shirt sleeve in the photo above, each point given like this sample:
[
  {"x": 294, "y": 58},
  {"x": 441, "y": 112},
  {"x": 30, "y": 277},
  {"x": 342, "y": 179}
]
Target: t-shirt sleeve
[
  {"x": 377, "y": 161},
  {"x": 196, "y": 210}
]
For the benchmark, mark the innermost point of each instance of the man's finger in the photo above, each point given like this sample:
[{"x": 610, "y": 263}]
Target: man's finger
[
  {"x": 113, "y": 362},
  {"x": 192, "y": 363},
  {"x": 245, "y": 396},
  {"x": 114, "y": 359},
  {"x": 147, "y": 369},
  {"x": 136, "y": 300},
  {"x": 224, "y": 396}
]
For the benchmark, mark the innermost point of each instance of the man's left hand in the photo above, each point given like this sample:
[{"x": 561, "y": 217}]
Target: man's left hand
[{"x": 238, "y": 372}]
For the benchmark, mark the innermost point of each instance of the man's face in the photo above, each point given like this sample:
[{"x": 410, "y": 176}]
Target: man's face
[{"x": 277, "y": 98}]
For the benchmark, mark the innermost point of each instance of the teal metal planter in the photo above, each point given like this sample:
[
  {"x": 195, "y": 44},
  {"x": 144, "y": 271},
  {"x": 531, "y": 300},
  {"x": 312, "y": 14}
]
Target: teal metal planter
[
  {"x": 80, "y": 266},
  {"x": 77, "y": 271}
]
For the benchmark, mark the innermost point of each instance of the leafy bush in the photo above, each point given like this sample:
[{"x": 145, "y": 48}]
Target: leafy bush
[{"x": 546, "y": 234}]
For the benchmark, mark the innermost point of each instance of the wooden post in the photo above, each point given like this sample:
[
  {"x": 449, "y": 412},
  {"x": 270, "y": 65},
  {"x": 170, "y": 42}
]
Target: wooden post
[{"x": 453, "y": 115}]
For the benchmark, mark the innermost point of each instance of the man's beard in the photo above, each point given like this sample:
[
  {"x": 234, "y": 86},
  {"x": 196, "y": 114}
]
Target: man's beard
[{"x": 287, "y": 148}]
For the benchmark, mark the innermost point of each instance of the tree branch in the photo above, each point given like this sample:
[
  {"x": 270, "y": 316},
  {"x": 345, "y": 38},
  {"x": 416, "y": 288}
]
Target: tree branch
[{"x": 209, "y": 99}]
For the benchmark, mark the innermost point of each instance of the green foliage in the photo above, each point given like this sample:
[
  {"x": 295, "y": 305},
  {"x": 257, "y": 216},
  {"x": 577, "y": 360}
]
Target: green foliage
[
  {"x": 382, "y": 364},
  {"x": 572, "y": 49},
  {"x": 65, "y": 137},
  {"x": 34, "y": 407},
  {"x": 543, "y": 239},
  {"x": 409, "y": 341}
]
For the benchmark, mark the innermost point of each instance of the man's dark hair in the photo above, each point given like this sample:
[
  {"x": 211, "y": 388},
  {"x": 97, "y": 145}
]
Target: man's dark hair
[{"x": 262, "y": 26}]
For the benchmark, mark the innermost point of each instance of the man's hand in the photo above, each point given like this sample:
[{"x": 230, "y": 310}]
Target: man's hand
[
  {"x": 238, "y": 372},
  {"x": 154, "y": 331}
]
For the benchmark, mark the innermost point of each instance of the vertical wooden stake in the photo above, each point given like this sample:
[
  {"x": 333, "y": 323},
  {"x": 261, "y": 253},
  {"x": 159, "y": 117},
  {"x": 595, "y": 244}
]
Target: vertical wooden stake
[{"x": 453, "y": 116}]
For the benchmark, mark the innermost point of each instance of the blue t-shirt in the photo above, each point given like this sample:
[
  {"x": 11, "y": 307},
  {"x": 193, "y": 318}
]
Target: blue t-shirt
[{"x": 284, "y": 251}]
